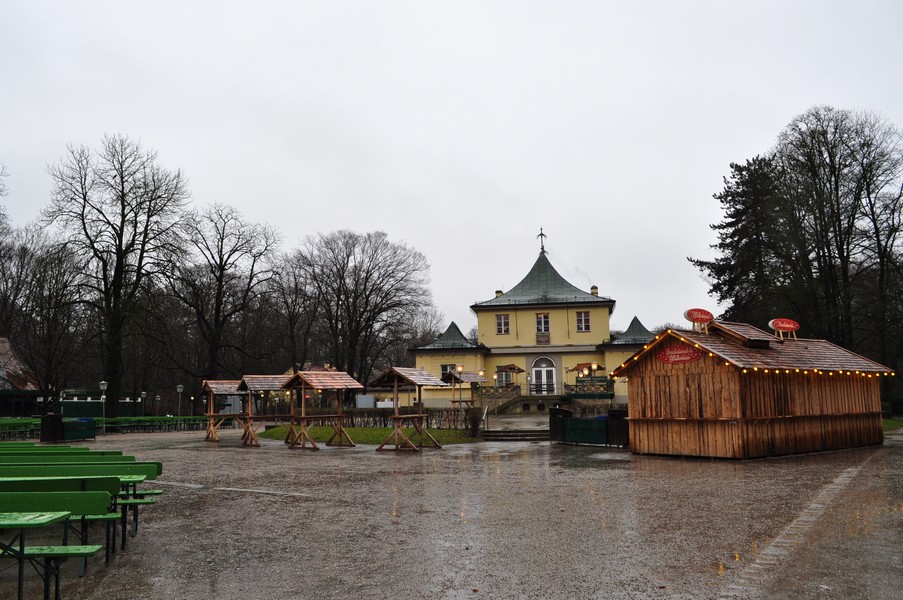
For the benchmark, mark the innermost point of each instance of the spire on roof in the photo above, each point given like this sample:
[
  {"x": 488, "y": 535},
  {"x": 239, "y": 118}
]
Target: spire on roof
[{"x": 542, "y": 241}]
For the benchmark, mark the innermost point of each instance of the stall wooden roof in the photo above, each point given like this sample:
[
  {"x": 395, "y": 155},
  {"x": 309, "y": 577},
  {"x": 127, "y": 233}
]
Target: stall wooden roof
[
  {"x": 408, "y": 376},
  {"x": 220, "y": 387},
  {"x": 262, "y": 383},
  {"x": 512, "y": 368},
  {"x": 464, "y": 377},
  {"x": 324, "y": 380},
  {"x": 748, "y": 347}
]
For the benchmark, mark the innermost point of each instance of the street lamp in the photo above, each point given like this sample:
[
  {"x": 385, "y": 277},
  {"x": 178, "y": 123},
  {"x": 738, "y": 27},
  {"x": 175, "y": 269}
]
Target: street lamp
[
  {"x": 179, "y": 389},
  {"x": 156, "y": 403},
  {"x": 143, "y": 396},
  {"x": 481, "y": 372},
  {"x": 103, "y": 406}
]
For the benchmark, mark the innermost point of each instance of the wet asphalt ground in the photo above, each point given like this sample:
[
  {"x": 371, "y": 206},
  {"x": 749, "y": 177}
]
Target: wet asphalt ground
[{"x": 500, "y": 520}]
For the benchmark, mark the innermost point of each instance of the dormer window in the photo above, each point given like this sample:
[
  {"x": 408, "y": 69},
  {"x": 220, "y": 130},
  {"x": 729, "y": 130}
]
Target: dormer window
[{"x": 583, "y": 320}]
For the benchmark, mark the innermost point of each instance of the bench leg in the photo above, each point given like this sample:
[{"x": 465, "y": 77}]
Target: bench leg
[
  {"x": 51, "y": 569},
  {"x": 56, "y": 577},
  {"x": 125, "y": 523},
  {"x": 109, "y": 526}
]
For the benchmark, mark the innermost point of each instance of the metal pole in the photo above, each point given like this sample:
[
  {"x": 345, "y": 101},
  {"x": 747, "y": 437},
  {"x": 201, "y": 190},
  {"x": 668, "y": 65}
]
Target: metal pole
[{"x": 103, "y": 407}]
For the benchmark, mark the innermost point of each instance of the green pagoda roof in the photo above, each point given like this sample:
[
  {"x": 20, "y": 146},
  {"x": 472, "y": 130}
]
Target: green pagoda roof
[
  {"x": 544, "y": 285},
  {"x": 636, "y": 334},
  {"x": 452, "y": 339}
]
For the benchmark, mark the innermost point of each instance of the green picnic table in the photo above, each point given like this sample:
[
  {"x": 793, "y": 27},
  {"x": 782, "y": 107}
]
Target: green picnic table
[{"x": 20, "y": 523}]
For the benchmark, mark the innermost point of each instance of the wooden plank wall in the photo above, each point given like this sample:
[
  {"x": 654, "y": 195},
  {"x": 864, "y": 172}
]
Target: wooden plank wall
[
  {"x": 706, "y": 408},
  {"x": 690, "y": 409}
]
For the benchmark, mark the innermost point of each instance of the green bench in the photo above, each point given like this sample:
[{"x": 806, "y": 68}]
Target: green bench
[
  {"x": 110, "y": 485},
  {"x": 76, "y": 457},
  {"x": 81, "y": 505},
  {"x": 149, "y": 470},
  {"x": 51, "y": 451},
  {"x": 53, "y": 556}
]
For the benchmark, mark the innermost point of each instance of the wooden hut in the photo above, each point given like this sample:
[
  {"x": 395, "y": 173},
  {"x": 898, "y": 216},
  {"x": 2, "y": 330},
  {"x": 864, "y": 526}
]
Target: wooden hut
[{"x": 731, "y": 390}]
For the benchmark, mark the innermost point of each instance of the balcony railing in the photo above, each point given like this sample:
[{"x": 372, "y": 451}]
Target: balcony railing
[{"x": 599, "y": 387}]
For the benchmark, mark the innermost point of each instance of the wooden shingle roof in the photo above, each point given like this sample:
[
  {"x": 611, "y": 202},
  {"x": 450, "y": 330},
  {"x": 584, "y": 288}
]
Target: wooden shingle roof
[
  {"x": 220, "y": 387},
  {"x": 262, "y": 383},
  {"x": 407, "y": 376},
  {"x": 748, "y": 347},
  {"x": 464, "y": 377},
  {"x": 324, "y": 380}
]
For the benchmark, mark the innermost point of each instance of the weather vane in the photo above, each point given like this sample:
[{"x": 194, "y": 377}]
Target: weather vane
[{"x": 542, "y": 241}]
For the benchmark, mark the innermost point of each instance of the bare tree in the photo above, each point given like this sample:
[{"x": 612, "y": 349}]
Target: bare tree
[
  {"x": 297, "y": 301},
  {"x": 17, "y": 266},
  {"x": 4, "y": 219},
  {"x": 52, "y": 329},
  {"x": 119, "y": 209},
  {"x": 422, "y": 329},
  {"x": 366, "y": 284},
  {"x": 878, "y": 152},
  {"x": 229, "y": 268}
]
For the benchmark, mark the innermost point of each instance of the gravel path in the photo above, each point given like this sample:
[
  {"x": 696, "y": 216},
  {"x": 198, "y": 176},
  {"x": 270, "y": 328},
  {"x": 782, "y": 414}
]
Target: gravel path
[{"x": 502, "y": 520}]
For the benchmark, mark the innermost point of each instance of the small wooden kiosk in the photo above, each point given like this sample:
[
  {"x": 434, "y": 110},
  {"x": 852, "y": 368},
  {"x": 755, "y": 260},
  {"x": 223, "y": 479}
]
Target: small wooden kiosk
[
  {"x": 319, "y": 380},
  {"x": 214, "y": 388},
  {"x": 731, "y": 390},
  {"x": 256, "y": 388},
  {"x": 408, "y": 377},
  {"x": 461, "y": 404}
]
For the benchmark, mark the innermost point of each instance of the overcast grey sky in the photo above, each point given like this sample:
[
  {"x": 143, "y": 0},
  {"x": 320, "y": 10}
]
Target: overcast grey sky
[{"x": 458, "y": 127}]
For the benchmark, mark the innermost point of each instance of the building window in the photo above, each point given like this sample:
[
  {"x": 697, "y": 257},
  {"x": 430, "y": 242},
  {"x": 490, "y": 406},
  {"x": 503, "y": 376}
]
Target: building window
[
  {"x": 583, "y": 320},
  {"x": 502, "y": 325},
  {"x": 504, "y": 378},
  {"x": 542, "y": 322},
  {"x": 446, "y": 369}
]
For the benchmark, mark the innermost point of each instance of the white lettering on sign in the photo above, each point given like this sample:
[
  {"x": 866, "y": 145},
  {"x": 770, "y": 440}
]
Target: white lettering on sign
[{"x": 676, "y": 355}]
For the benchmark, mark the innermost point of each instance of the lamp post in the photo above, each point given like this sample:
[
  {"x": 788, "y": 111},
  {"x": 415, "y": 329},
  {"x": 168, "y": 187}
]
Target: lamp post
[
  {"x": 458, "y": 370},
  {"x": 156, "y": 403},
  {"x": 481, "y": 372},
  {"x": 103, "y": 406},
  {"x": 143, "y": 396},
  {"x": 495, "y": 396},
  {"x": 179, "y": 389}
]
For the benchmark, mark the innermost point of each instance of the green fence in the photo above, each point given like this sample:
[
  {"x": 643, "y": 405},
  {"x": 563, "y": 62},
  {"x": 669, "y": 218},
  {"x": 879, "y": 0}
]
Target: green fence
[{"x": 586, "y": 431}]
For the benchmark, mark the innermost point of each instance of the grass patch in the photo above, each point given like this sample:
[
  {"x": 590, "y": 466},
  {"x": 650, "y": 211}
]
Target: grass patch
[
  {"x": 892, "y": 425},
  {"x": 371, "y": 436}
]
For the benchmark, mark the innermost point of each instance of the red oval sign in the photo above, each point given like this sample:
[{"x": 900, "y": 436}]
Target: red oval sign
[
  {"x": 699, "y": 315},
  {"x": 676, "y": 355},
  {"x": 782, "y": 324}
]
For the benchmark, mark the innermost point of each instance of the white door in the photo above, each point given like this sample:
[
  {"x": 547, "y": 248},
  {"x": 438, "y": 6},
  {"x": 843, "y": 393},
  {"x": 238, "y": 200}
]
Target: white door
[{"x": 543, "y": 377}]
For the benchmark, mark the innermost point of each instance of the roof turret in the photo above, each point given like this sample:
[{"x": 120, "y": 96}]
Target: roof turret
[{"x": 543, "y": 285}]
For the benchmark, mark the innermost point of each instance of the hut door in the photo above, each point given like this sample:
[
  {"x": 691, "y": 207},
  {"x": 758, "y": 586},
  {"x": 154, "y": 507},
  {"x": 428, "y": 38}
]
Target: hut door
[{"x": 543, "y": 377}]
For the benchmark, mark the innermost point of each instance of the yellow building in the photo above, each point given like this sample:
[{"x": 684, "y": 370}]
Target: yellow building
[{"x": 543, "y": 340}]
